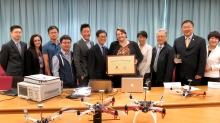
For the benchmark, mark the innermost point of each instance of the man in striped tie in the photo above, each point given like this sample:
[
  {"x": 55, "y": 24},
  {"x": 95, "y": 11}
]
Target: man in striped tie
[{"x": 12, "y": 53}]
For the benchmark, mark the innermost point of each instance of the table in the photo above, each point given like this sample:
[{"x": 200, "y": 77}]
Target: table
[
  {"x": 17, "y": 104},
  {"x": 182, "y": 115}
]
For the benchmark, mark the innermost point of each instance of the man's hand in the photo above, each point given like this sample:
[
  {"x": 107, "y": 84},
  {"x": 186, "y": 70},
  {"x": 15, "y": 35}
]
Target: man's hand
[
  {"x": 136, "y": 61},
  {"x": 82, "y": 77},
  {"x": 198, "y": 77}
]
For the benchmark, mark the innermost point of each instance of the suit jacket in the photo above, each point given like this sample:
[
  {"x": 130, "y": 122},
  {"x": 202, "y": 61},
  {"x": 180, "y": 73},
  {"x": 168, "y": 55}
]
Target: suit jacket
[
  {"x": 193, "y": 57},
  {"x": 11, "y": 60},
  {"x": 32, "y": 65},
  {"x": 97, "y": 62},
  {"x": 81, "y": 57},
  {"x": 165, "y": 63}
]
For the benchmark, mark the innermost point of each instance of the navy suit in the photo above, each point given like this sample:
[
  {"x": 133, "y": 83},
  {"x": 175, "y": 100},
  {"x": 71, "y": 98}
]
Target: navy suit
[
  {"x": 11, "y": 60},
  {"x": 193, "y": 59},
  {"x": 97, "y": 63}
]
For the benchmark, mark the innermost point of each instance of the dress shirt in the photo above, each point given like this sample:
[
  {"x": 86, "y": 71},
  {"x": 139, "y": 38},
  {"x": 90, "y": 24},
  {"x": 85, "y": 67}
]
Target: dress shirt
[{"x": 87, "y": 43}]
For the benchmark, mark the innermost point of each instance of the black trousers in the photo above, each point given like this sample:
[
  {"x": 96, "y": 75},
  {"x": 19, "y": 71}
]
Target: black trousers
[
  {"x": 154, "y": 82},
  {"x": 205, "y": 80},
  {"x": 195, "y": 82},
  {"x": 84, "y": 82}
]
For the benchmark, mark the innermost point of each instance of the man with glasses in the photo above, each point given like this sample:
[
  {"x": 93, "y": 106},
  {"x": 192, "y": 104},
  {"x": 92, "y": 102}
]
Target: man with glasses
[
  {"x": 63, "y": 64},
  {"x": 162, "y": 64},
  {"x": 12, "y": 53},
  {"x": 97, "y": 57},
  {"x": 80, "y": 49},
  {"x": 192, "y": 51},
  {"x": 51, "y": 48}
]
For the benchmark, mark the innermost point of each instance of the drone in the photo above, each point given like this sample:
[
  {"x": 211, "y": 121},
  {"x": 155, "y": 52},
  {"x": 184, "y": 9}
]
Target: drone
[
  {"x": 98, "y": 108},
  {"x": 42, "y": 119},
  {"x": 146, "y": 106},
  {"x": 189, "y": 92}
]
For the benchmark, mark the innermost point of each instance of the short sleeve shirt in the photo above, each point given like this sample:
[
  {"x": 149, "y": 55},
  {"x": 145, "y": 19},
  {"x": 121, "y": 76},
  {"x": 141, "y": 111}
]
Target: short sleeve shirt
[{"x": 51, "y": 49}]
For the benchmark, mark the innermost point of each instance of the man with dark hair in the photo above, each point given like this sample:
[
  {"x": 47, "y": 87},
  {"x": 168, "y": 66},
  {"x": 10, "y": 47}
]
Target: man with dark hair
[
  {"x": 80, "y": 49},
  {"x": 63, "y": 64},
  {"x": 12, "y": 53},
  {"x": 97, "y": 57},
  {"x": 192, "y": 51},
  {"x": 51, "y": 48}
]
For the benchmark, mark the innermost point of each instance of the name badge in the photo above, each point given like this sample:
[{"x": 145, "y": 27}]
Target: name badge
[
  {"x": 214, "y": 84},
  {"x": 172, "y": 84}
]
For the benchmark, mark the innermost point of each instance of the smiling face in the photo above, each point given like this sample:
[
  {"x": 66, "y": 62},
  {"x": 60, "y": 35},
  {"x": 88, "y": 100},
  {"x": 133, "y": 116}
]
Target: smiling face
[
  {"x": 121, "y": 36},
  {"x": 213, "y": 41},
  {"x": 37, "y": 42},
  {"x": 86, "y": 32},
  {"x": 187, "y": 29},
  {"x": 142, "y": 39},
  {"x": 161, "y": 37},
  {"x": 101, "y": 38},
  {"x": 65, "y": 45}
]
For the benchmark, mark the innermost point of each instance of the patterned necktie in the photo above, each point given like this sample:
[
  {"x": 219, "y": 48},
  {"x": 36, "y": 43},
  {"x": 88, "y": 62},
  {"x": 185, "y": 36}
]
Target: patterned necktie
[
  {"x": 187, "y": 42},
  {"x": 156, "y": 58},
  {"x": 19, "y": 47}
]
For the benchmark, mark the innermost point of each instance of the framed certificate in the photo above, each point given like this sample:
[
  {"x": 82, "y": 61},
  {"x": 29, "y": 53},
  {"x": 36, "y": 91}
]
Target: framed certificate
[{"x": 121, "y": 65}]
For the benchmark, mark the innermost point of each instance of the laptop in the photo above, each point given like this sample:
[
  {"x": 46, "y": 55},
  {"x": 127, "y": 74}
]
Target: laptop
[
  {"x": 100, "y": 84},
  {"x": 131, "y": 84},
  {"x": 13, "y": 89}
]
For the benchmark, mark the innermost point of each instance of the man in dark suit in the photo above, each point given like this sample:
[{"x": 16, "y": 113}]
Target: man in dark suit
[
  {"x": 80, "y": 56},
  {"x": 12, "y": 53},
  {"x": 97, "y": 57},
  {"x": 162, "y": 64},
  {"x": 192, "y": 51}
]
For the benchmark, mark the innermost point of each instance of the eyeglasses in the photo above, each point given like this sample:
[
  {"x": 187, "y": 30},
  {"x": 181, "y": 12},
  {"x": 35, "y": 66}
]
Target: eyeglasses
[
  {"x": 53, "y": 32},
  {"x": 163, "y": 36},
  {"x": 17, "y": 32},
  {"x": 186, "y": 27},
  {"x": 102, "y": 36},
  {"x": 66, "y": 42}
]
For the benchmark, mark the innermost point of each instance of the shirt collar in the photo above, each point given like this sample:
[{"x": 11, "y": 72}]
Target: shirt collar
[
  {"x": 16, "y": 42},
  {"x": 85, "y": 40},
  {"x": 65, "y": 52},
  {"x": 53, "y": 43},
  {"x": 190, "y": 37},
  {"x": 100, "y": 45}
]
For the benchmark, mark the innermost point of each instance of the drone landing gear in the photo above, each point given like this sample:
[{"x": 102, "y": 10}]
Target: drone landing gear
[{"x": 97, "y": 118}]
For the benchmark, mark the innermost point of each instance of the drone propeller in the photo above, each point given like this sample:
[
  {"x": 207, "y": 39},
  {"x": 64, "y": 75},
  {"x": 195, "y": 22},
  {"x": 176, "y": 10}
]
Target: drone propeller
[
  {"x": 120, "y": 112},
  {"x": 64, "y": 108},
  {"x": 70, "y": 111}
]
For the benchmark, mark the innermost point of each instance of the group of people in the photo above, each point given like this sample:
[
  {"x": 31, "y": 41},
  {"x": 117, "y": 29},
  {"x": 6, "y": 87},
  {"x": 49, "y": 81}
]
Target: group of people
[{"x": 189, "y": 58}]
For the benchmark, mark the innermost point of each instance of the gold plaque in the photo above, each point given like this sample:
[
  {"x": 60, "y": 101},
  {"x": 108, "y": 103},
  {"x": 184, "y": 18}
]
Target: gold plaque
[{"x": 121, "y": 65}]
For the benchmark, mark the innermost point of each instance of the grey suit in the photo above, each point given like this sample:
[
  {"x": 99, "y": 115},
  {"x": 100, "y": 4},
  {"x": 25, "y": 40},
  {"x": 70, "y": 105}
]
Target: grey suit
[
  {"x": 80, "y": 60},
  {"x": 11, "y": 60}
]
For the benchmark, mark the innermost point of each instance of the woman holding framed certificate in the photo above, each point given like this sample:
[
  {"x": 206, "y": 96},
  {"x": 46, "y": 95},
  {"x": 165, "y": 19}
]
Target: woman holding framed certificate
[{"x": 124, "y": 47}]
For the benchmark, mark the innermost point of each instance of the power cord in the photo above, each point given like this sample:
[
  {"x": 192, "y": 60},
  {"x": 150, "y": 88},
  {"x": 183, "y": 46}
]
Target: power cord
[{"x": 8, "y": 99}]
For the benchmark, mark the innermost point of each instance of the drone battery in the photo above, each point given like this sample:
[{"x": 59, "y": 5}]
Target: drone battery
[{"x": 97, "y": 118}]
